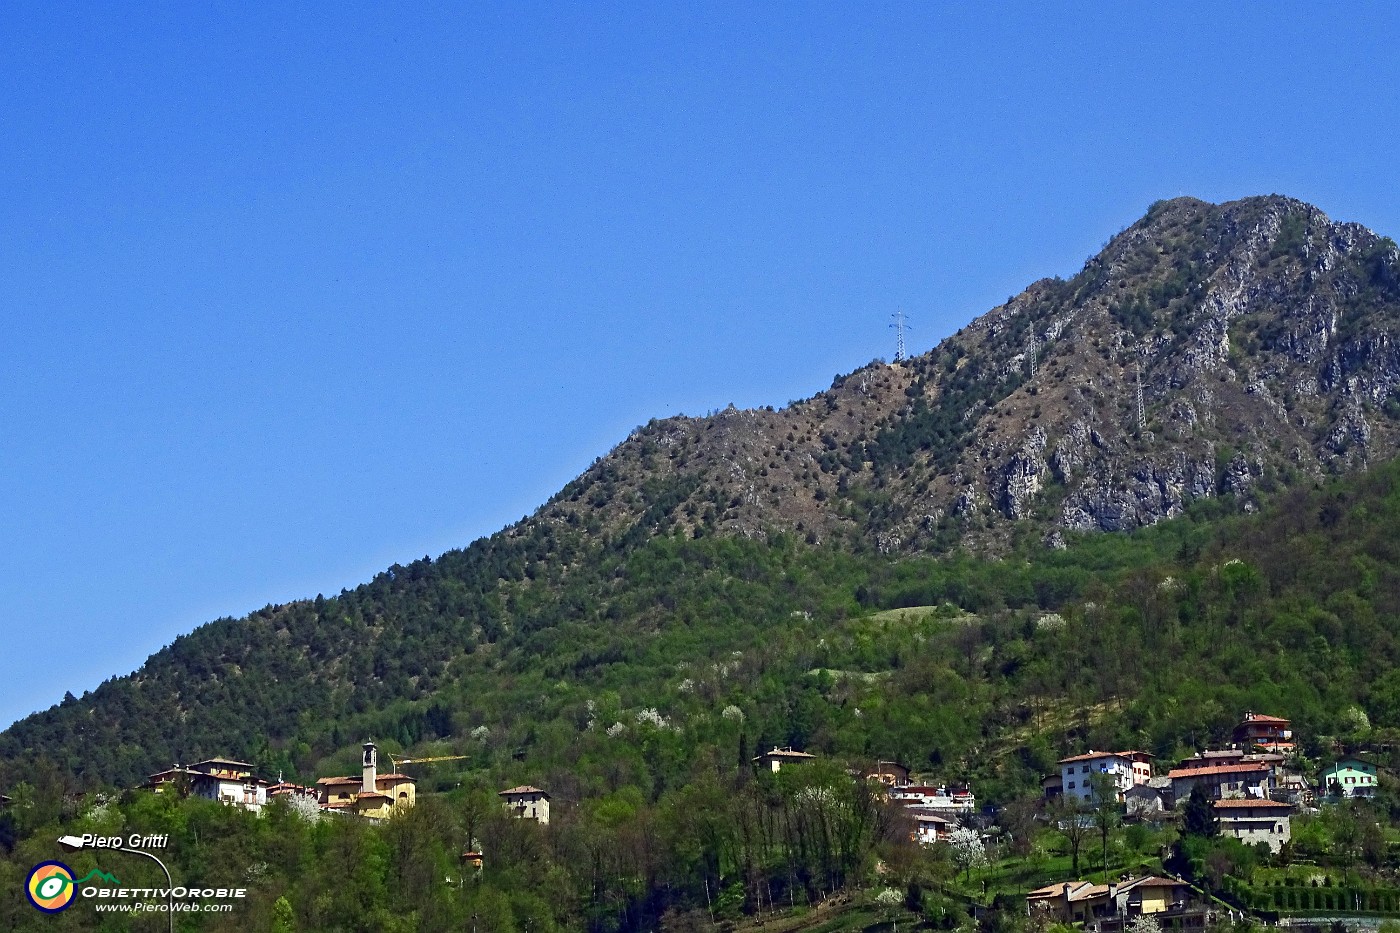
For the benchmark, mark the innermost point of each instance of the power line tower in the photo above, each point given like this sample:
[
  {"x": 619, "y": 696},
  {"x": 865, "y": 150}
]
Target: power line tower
[
  {"x": 1032, "y": 352},
  {"x": 900, "y": 323}
]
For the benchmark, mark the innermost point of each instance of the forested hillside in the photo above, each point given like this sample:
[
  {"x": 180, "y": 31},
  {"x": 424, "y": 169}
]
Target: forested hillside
[
  {"x": 617, "y": 676},
  {"x": 639, "y": 698}
]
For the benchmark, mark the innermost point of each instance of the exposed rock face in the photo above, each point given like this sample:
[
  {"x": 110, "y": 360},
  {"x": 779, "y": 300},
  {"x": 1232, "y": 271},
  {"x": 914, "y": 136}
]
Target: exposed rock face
[{"x": 1208, "y": 350}]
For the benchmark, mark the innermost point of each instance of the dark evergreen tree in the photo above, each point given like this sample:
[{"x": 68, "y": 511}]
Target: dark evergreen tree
[{"x": 1198, "y": 818}]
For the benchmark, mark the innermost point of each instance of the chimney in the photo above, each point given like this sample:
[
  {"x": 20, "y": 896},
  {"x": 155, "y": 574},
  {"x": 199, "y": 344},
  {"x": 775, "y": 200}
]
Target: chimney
[{"x": 370, "y": 780}]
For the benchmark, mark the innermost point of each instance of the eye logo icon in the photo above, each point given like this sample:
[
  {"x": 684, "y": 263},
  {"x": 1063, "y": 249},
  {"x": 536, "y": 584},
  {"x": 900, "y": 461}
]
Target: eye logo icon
[{"x": 50, "y": 887}]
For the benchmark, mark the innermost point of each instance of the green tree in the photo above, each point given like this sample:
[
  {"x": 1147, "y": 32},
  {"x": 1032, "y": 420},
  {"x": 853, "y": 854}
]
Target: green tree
[
  {"x": 1071, "y": 819},
  {"x": 283, "y": 917},
  {"x": 1107, "y": 817},
  {"x": 1198, "y": 817}
]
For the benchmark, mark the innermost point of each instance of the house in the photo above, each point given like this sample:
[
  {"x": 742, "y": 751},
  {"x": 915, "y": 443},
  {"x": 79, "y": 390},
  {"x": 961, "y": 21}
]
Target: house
[
  {"x": 1252, "y": 821},
  {"x": 473, "y": 859},
  {"x": 1269, "y": 733},
  {"x": 930, "y": 827},
  {"x": 1124, "y": 768},
  {"x": 1146, "y": 800},
  {"x": 1052, "y": 785},
  {"x": 528, "y": 803},
  {"x": 373, "y": 796},
  {"x": 888, "y": 773},
  {"x": 223, "y": 779},
  {"x": 1109, "y": 906},
  {"x": 1350, "y": 777},
  {"x": 1213, "y": 758},
  {"x": 774, "y": 760},
  {"x": 288, "y": 789},
  {"x": 1246, "y": 779},
  {"x": 936, "y": 797}
]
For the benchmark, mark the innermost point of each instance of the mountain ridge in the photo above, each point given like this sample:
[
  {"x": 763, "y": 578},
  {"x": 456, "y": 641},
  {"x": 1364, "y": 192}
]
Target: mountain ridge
[{"x": 1171, "y": 300}]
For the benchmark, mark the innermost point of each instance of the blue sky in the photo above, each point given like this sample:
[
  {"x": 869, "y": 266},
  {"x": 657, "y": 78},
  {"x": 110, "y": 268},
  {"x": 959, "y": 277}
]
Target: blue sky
[{"x": 291, "y": 295}]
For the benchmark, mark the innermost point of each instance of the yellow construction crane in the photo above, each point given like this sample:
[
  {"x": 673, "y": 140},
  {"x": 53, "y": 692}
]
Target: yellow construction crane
[{"x": 400, "y": 762}]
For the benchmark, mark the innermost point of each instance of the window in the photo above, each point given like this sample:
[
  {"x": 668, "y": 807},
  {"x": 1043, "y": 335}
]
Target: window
[
  {"x": 1071, "y": 785},
  {"x": 1085, "y": 769}
]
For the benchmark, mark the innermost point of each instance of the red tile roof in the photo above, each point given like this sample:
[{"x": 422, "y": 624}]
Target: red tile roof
[{"x": 1247, "y": 802}]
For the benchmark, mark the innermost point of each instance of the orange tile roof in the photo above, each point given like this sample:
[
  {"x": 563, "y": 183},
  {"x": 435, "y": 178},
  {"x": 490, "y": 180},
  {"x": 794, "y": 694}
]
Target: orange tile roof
[
  {"x": 1253, "y": 767},
  {"x": 338, "y": 780},
  {"x": 1247, "y": 802},
  {"x": 1088, "y": 756}
]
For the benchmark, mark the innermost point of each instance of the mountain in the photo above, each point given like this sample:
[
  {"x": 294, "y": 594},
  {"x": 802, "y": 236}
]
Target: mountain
[
  {"x": 1259, "y": 336},
  {"x": 1207, "y": 350}
]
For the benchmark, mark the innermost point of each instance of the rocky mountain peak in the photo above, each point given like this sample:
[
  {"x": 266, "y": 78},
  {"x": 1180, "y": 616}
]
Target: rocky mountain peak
[{"x": 1207, "y": 350}]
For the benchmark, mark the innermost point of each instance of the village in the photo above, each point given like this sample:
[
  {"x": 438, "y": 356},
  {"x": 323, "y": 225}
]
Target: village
[{"x": 1253, "y": 788}]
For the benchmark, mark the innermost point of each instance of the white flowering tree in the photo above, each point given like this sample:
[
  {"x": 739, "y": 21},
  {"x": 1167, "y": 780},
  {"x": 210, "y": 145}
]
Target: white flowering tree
[
  {"x": 890, "y": 900},
  {"x": 305, "y": 807},
  {"x": 1144, "y": 923},
  {"x": 968, "y": 850}
]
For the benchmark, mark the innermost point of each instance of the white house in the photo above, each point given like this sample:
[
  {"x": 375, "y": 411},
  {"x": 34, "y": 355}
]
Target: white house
[
  {"x": 222, "y": 779},
  {"x": 930, "y": 827},
  {"x": 528, "y": 803},
  {"x": 1124, "y": 768},
  {"x": 774, "y": 760}
]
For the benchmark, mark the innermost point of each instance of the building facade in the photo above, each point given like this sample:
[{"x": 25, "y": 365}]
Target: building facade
[
  {"x": 1247, "y": 779},
  {"x": 220, "y": 779},
  {"x": 1124, "y": 769},
  {"x": 775, "y": 759},
  {"x": 373, "y": 796},
  {"x": 1350, "y": 777},
  {"x": 1253, "y": 821},
  {"x": 528, "y": 803},
  {"x": 1110, "y": 906},
  {"x": 1270, "y": 733},
  {"x": 941, "y": 797}
]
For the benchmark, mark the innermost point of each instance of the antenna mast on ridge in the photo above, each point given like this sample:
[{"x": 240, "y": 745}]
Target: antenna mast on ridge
[
  {"x": 1141, "y": 419},
  {"x": 899, "y": 324}
]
